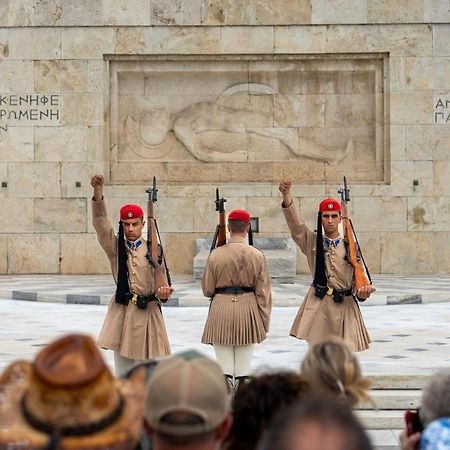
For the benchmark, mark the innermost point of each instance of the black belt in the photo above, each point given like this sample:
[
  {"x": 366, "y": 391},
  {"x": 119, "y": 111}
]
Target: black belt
[
  {"x": 331, "y": 291},
  {"x": 336, "y": 294},
  {"x": 233, "y": 290},
  {"x": 141, "y": 302}
]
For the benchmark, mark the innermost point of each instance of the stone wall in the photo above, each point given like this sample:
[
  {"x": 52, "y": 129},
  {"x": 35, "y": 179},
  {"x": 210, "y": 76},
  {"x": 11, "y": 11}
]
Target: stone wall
[{"x": 59, "y": 118}]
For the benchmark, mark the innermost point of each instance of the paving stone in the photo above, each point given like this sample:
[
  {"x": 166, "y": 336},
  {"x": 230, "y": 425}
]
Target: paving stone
[{"x": 408, "y": 340}]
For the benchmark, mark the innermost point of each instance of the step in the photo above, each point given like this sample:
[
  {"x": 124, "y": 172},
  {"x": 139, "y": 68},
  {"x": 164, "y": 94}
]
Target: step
[
  {"x": 393, "y": 395},
  {"x": 412, "y": 381},
  {"x": 384, "y": 439},
  {"x": 401, "y": 399},
  {"x": 382, "y": 419}
]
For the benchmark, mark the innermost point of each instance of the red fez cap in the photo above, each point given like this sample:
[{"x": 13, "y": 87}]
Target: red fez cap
[
  {"x": 131, "y": 212},
  {"x": 329, "y": 204},
  {"x": 239, "y": 214}
]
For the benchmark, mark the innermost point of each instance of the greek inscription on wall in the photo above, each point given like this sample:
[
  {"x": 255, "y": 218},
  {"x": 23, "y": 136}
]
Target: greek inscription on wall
[
  {"x": 310, "y": 119},
  {"x": 442, "y": 109},
  {"x": 29, "y": 109}
]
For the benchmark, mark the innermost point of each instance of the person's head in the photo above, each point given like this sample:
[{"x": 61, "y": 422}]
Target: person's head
[
  {"x": 436, "y": 435},
  {"x": 187, "y": 404},
  {"x": 132, "y": 218},
  {"x": 436, "y": 397},
  {"x": 330, "y": 210},
  {"x": 68, "y": 398},
  {"x": 256, "y": 403},
  {"x": 239, "y": 222},
  {"x": 331, "y": 367},
  {"x": 316, "y": 423}
]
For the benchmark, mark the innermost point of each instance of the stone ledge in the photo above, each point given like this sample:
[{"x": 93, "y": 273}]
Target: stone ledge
[
  {"x": 98, "y": 289},
  {"x": 280, "y": 253},
  {"x": 381, "y": 420},
  {"x": 197, "y": 299}
]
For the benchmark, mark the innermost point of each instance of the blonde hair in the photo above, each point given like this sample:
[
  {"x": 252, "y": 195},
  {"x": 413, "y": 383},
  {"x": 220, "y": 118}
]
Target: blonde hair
[{"x": 331, "y": 367}]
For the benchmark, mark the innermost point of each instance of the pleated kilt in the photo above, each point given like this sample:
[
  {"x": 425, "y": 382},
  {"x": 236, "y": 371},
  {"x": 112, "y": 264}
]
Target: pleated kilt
[
  {"x": 134, "y": 333},
  {"x": 318, "y": 319},
  {"x": 233, "y": 322}
]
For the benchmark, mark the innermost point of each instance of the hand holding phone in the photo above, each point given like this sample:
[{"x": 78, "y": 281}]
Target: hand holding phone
[{"x": 413, "y": 422}]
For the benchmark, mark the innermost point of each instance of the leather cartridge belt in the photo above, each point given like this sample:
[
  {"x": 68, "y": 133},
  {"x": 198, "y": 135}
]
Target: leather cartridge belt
[
  {"x": 233, "y": 290},
  {"x": 332, "y": 292},
  {"x": 141, "y": 301},
  {"x": 336, "y": 294}
]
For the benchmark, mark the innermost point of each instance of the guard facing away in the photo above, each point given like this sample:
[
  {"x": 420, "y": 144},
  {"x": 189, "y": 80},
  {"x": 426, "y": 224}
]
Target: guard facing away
[
  {"x": 237, "y": 280},
  {"x": 330, "y": 307},
  {"x": 134, "y": 326}
]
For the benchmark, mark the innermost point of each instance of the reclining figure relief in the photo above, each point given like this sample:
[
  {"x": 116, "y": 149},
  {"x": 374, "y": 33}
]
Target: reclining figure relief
[{"x": 212, "y": 130}]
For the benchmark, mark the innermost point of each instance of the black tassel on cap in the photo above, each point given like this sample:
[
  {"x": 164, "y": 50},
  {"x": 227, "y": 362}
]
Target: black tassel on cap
[
  {"x": 250, "y": 236},
  {"x": 320, "y": 276},
  {"x": 123, "y": 289}
]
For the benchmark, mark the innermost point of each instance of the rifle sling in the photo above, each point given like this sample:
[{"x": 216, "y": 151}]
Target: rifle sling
[
  {"x": 163, "y": 259},
  {"x": 169, "y": 281}
]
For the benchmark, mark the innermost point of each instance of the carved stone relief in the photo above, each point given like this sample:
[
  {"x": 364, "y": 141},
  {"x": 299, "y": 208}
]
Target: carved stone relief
[{"x": 247, "y": 119}]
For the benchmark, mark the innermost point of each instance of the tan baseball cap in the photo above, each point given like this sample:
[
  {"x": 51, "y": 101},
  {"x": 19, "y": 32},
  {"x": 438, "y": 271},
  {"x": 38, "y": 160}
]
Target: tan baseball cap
[{"x": 194, "y": 386}]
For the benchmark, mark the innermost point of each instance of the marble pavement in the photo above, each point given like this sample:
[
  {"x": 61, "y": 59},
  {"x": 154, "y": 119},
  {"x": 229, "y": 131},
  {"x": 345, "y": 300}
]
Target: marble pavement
[{"x": 412, "y": 339}]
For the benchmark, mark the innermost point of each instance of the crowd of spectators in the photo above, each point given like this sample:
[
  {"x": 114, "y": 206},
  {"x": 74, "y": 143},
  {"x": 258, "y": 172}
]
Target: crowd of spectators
[{"x": 67, "y": 398}]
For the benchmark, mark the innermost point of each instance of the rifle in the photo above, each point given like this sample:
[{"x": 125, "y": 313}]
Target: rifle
[
  {"x": 361, "y": 273},
  {"x": 220, "y": 235},
  {"x": 155, "y": 253}
]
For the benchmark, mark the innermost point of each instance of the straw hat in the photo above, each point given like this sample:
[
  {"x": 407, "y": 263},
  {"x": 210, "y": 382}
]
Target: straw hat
[{"x": 68, "y": 399}]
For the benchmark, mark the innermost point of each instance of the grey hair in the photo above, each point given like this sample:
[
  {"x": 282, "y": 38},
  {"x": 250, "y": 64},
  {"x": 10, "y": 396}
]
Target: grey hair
[{"x": 436, "y": 397}]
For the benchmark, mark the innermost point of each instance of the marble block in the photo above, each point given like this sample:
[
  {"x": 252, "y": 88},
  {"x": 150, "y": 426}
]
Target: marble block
[{"x": 280, "y": 253}]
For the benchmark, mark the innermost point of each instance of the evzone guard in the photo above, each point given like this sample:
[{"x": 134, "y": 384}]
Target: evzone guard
[
  {"x": 134, "y": 326},
  {"x": 237, "y": 281},
  {"x": 340, "y": 279}
]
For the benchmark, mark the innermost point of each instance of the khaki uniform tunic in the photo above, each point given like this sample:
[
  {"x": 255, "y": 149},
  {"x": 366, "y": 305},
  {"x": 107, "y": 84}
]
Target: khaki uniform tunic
[
  {"x": 318, "y": 319},
  {"x": 134, "y": 333},
  {"x": 241, "y": 319}
]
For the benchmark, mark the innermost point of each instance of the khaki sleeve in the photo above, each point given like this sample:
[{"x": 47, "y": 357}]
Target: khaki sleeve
[
  {"x": 105, "y": 232},
  {"x": 302, "y": 235},
  {"x": 263, "y": 292},
  {"x": 208, "y": 280}
]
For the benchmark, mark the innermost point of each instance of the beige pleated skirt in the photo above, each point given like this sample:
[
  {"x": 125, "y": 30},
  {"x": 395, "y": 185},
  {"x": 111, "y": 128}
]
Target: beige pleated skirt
[
  {"x": 233, "y": 322},
  {"x": 134, "y": 333},
  {"x": 318, "y": 319}
]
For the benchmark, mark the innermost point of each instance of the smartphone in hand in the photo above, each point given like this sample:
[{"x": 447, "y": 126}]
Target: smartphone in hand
[{"x": 413, "y": 422}]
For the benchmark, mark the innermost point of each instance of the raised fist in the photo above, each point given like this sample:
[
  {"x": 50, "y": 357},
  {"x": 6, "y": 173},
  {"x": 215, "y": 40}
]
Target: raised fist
[
  {"x": 97, "y": 181},
  {"x": 285, "y": 186}
]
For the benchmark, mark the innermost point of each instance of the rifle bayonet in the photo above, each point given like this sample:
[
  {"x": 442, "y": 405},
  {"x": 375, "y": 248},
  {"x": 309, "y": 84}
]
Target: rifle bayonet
[
  {"x": 219, "y": 202},
  {"x": 220, "y": 235},
  {"x": 345, "y": 192},
  {"x": 152, "y": 192}
]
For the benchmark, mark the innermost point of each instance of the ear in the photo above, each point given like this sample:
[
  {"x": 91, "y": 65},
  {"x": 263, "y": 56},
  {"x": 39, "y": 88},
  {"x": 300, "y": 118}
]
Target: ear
[
  {"x": 228, "y": 227},
  {"x": 223, "y": 430}
]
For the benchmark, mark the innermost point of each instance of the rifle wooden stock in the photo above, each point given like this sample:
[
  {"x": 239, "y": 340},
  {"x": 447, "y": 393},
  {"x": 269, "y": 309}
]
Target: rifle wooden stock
[
  {"x": 360, "y": 276},
  {"x": 222, "y": 236},
  {"x": 155, "y": 254}
]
